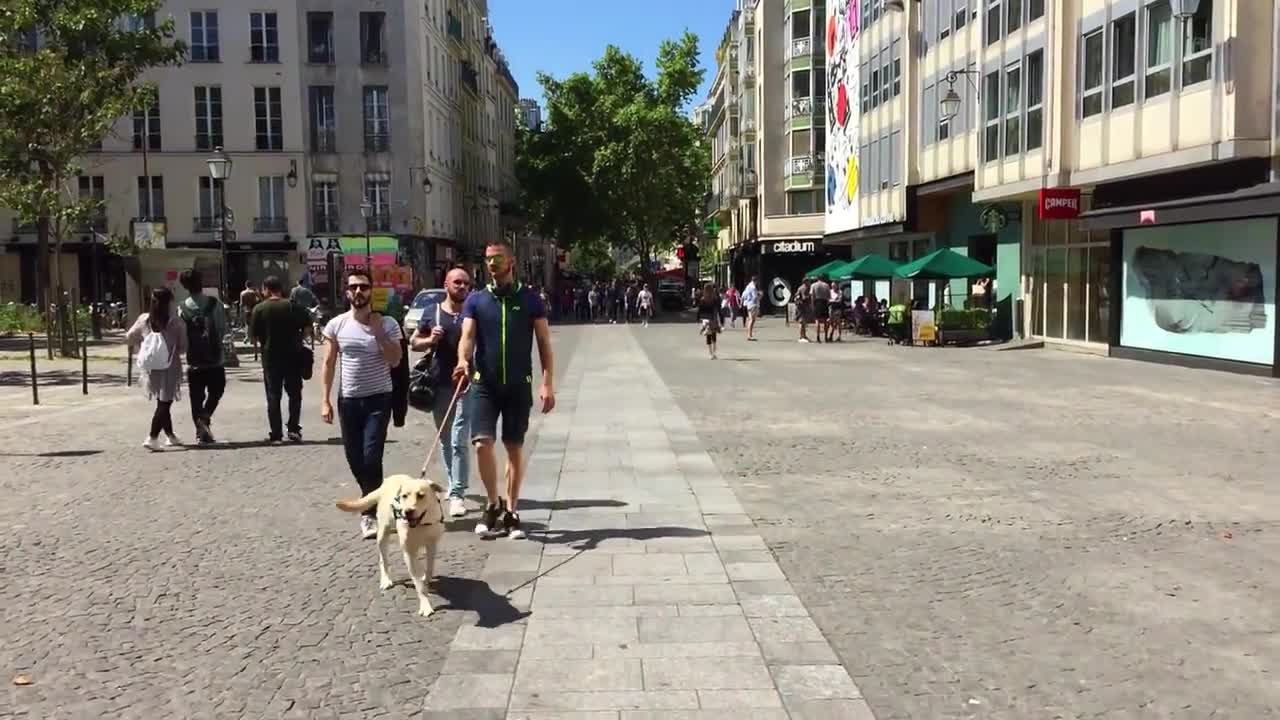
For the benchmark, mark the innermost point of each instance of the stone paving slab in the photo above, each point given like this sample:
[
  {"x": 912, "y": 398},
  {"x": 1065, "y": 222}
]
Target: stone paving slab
[{"x": 652, "y": 592}]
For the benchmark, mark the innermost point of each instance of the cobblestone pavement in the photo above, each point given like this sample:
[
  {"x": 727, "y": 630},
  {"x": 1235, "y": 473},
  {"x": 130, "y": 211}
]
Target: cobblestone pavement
[
  {"x": 1029, "y": 534},
  {"x": 207, "y": 583}
]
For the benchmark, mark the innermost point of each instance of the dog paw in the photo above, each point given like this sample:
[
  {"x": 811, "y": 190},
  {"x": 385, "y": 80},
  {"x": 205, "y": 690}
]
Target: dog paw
[
  {"x": 425, "y": 610},
  {"x": 386, "y": 583}
]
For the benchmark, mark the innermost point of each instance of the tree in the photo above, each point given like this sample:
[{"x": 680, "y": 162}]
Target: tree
[
  {"x": 69, "y": 69},
  {"x": 617, "y": 162}
]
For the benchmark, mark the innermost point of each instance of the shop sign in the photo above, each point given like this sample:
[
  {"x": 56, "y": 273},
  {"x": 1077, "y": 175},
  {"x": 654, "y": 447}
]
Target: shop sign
[
  {"x": 993, "y": 218},
  {"x": 779, "y": 292},
  {"x": 1059, "y": 203},
  {"x": 791, "y": 247}
]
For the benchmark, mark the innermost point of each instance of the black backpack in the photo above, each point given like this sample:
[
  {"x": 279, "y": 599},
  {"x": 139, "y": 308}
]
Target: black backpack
[{"x": 204, "y": 346}]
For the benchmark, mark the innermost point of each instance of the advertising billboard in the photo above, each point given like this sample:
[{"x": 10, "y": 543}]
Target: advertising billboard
[{"x": 841, "y": 151}]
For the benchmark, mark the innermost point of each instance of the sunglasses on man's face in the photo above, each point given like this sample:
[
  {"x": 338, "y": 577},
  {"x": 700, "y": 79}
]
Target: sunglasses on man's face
[
  {"x": 358, "y": 287},
  {"x": 495, "y": 259}
]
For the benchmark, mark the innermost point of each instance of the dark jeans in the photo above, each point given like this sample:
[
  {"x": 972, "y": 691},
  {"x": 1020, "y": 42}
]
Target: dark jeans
[
  {"x": 364, "y": 421},
  {"x": 279, "y": 381},
  {"x": 161, "y": 419},
  {"x": 205, "y": 386}
]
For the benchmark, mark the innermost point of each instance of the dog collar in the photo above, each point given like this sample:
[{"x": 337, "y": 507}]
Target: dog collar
[{"x": 398, "y": 513}]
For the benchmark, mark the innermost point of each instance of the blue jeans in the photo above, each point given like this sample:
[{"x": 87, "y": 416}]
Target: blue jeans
[
  {"x": 454, "y": 452},
  {"x": 363, "y": 421}
]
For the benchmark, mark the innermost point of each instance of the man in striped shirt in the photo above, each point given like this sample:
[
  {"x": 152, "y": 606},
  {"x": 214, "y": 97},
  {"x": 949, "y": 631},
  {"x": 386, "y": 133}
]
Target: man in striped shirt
[{"x": 368, "y": 346}]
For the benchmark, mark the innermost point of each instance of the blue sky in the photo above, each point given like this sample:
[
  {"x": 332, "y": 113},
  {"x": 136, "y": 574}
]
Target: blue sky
[{"x": 561, "y": 37}]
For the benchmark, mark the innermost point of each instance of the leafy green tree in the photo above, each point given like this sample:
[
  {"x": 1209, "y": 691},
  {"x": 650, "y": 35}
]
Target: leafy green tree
[
  {"x": 618, "y": 163},
  {"x": 69, "y": 69}
]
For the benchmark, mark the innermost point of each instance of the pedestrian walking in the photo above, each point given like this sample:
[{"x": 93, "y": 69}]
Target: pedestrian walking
[
  {"x": 645, "y": 301},
  {"x": 278, "y": 326},
  {"x": 160, "y": 341},
  {"x": 206, "y": 326},
  {"x": 302, "y": 295},
  {"x": 710, "y": 317},
  {"x": 440, "y": 333},
  {"x": 500, "y": 326},
  {"x": 821, "y": 292},
  {"x": 731, "y": 296},
  {"x": 804, "y": 308},
  {"x": 593, "y": 301},
  {"x": 751, "y": 301},
  {"x": 367, "y": 345}
]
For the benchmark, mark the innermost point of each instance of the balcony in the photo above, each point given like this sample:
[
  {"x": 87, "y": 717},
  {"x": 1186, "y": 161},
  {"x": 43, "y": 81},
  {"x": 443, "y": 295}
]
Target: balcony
[
  {"x": 749, "y": 183},
  {"x": 470, "y": 77},
  {"x": 749, "y": 74},
  {"x": 749, "y": 17},
  {"x": 806, "y": 112},
  {"x": 801, "y": 54},
  {"x": 377, "y": 142},
  {"x": 324, "y": 141},
  {"x": 209, "y": 141},
  {"x": 453, "y": 26},
  {"x": 748, "y": 129},
  {"x": 804, "y": 171},
  {"x": 206, "y": 224},
  {"x": 271, "y": 224},
  {"x": 325, "y": 221},
  {"x": 380, "y": 222},
  {"x": 801, "y": 47}
]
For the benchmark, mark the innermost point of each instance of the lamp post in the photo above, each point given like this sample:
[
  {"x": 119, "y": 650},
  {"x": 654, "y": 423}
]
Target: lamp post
[
  {"x": 366, "y": 212},
  {"x": 220, "y": 170}
]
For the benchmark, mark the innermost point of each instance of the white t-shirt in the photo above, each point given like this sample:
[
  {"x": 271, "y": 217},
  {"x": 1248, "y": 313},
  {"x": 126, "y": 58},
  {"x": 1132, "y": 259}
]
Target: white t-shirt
[
  {"x": 645, "y": 298},
  {"x": 362, "y": 367}
]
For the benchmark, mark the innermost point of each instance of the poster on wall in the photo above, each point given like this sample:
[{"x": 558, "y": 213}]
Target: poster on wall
[
  {"x": 388, "y": 275},
  {"x": 842, "y": 116},
  {"x": 1206, "y": 289}
]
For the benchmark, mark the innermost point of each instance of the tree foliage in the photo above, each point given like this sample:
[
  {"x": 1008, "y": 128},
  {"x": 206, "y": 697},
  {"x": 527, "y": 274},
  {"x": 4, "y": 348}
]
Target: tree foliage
[
  {"x": 618, "y": 163},
  {"x": 69, "y": 69}
]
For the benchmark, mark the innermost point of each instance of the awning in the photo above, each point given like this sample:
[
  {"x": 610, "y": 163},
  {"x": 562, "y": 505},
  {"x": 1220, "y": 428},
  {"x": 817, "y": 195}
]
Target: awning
[
  {"x": 944, "y": 264},
  {"x": 824, "y": 268},
  {"x": 1257, "y": 201},
  {"x": 867, "y": 267}
]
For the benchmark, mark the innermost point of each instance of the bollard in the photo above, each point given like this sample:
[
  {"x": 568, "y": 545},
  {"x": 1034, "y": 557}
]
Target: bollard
[
  {"x": 84, "y": 364},
  {"x": 128, "y": 369},
  {"x": 35, "y": 390}
]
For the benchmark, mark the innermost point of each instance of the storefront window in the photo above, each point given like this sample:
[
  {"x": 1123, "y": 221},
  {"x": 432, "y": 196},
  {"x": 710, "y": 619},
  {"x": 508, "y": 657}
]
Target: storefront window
[
  {"x": 1069, "y": 275},
  {"x": 1055, "y": 276},
  {"x": 1099, "y": 309},
  {"x": 1077, "y": 282}
]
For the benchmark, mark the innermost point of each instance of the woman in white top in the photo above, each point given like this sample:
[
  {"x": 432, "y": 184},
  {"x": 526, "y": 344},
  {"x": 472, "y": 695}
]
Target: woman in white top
[{"x": 165, "y": 385}]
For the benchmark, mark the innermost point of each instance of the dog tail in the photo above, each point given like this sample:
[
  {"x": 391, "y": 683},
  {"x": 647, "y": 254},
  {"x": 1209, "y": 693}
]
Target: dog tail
[{"x": 368, "y": 502}]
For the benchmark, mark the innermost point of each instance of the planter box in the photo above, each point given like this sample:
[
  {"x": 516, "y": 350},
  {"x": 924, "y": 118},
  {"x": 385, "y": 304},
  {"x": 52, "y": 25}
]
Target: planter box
[{"x": 960, "y": 336}]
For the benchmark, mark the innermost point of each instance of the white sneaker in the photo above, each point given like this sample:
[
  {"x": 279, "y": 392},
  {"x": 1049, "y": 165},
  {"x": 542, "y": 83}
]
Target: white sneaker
[
  {"x": 457, "y": 508},
  {"x": 172, "y": 441},
  {"x": 152, "y": 444},
  {"x": 804, "y": 340},
  {"x": 368, "y": 528}
]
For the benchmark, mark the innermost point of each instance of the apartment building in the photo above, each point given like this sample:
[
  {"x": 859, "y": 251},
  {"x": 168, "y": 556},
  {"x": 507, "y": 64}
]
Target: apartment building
[
  {"x": 239, "y": 90},
  {"x": 767, "y": 119},
  {"x": 1108, "y": 157},
  {"x": 387, "y": 140},
  {"x": 530, "y": 113}
]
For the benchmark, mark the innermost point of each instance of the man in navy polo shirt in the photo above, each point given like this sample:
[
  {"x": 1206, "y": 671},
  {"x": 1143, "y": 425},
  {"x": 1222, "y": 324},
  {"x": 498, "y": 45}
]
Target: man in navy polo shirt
[{"x": 500, "y": 324}]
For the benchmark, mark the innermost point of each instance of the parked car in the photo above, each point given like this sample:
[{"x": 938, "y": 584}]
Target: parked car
[{"x": 424, "y": 302}]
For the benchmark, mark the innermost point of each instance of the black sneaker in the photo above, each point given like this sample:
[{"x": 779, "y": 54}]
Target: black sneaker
[
  {"x": 488, "y": 520},
  {"x": 295, "y": 436},
  {"x": 511, "y": 524}
]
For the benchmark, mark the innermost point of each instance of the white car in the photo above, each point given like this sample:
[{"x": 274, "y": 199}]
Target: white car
[{"x": 425, "y": 301}]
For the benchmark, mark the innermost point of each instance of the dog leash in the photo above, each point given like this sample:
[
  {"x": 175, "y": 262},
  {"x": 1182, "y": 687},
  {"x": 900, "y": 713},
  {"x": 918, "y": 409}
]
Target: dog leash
[{"x": 457, "y": 393}]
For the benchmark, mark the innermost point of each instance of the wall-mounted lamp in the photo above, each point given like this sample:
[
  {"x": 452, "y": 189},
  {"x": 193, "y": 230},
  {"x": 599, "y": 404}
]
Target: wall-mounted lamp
[
  {"x": 292, "y": 177},
  {"x": 1184, "y": 9},
  {"x": 426, "y": 178},
  {"x": 896, "y": 5},
  {"x": 951, "y": 101}
]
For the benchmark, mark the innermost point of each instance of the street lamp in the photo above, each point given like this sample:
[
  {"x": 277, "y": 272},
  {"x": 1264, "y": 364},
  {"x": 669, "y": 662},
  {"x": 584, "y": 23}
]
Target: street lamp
[
  {"x": 220, "y": 170},
  {"x": 951, "y": 101},
  {"x": 366, "y": 212}
]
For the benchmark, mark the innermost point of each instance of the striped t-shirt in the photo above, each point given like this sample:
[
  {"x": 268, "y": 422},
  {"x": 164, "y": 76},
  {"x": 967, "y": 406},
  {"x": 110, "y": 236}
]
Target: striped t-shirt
[{"x": 362, "y": 367}]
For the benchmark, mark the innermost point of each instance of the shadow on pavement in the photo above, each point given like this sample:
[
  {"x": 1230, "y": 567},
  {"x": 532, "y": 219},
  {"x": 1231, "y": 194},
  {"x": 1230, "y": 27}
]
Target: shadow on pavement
[
  {"x": 590, "y": 539},
  {"x": 55, "y": 454},
  {"x": 266, "y": 443},
  {"x": 55, "y": 378},
  {"x": 494, "y": 610},
  {"x": 567, "y": 504}
]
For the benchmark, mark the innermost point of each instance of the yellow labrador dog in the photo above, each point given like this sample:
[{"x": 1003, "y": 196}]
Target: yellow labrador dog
[{"x": 410, "y": 506}]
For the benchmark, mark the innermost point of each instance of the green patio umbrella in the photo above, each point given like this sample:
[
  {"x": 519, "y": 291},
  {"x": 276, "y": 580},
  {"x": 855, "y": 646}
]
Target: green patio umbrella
[
  {"x": 944, "y": 264},
  {"x": 867, "y": 267},
  {"x": 825, "y": 267}
]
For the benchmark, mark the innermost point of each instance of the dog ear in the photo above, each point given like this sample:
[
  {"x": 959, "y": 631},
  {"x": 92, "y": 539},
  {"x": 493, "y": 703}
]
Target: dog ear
[{"x": 435, "y": 487}]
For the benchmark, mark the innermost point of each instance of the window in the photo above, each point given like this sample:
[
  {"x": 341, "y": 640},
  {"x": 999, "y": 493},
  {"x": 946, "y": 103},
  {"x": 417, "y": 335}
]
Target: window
[
  {"x": 1197, "y": 45},
  {"x": 866, "y": 86},
  {"x": 320, "y": 38},
  {"x": 210, "y": 203},
  {"x": 991, "y": 137},
  {"x": 264, "y": 37},
  {"x": 1035, "y": 10},
  {"x": 1012, "y": 110},
  {"x": 204, "y": 36},
  {"x": 875, "y": 87},
  {"x": 961, "y": 15},
  {"x": 886, "y": 84},
  {"x": 271, "y": 213},
  {"x": 377, "y": 122},
  {"x": 324, "y": 205},
  {"x": 93, "y": 187},
  {"x": 1091, "y": 98},
  {"x": 372, "y": 51},
  {"x": 268, "y": 120},
  {"x": 895, "y": 160},
  {"x": 1014, "y": 15},
  {"x": 324, "y": 119},
  {"x": 801, "y": 203},
  {"x": 1035, "y": 100},
  {"x": 378, "y": 193},
  {"x": 146, "y": 128},
  {"x": 150, "y": 197},
  {"x": 897, "y": 68},
  {"x": 208, "y": 117},
  {"x": 1124, "y": 58},
  {"x": 1159, "y": 71},
  {"x": 993, "y": 22},
  {"x": 140, "y": 23},
  {"x": 944, "y": 129},
  {"x": 943, "y": 20}
]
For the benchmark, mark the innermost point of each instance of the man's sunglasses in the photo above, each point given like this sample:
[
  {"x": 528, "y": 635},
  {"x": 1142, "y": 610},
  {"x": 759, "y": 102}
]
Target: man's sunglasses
[
  {"x": 359, "y": 287},
  {"x": 491, "y": 259}
]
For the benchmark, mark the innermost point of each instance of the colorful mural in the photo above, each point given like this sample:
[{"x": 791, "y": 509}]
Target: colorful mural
[{"x": 842, "y": 116}]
